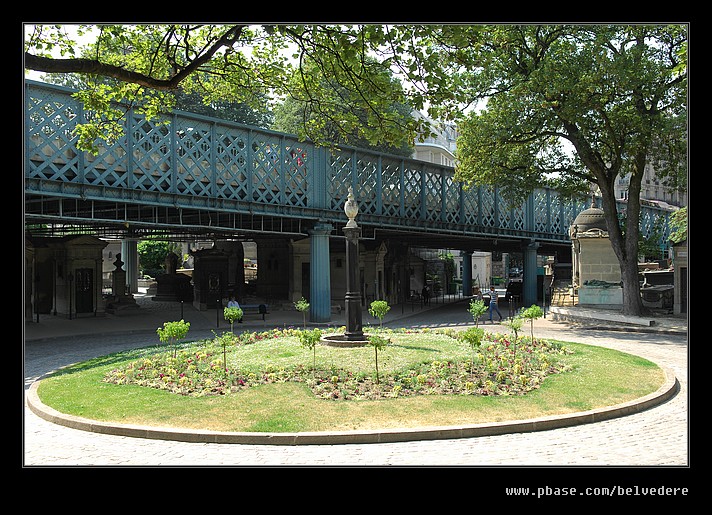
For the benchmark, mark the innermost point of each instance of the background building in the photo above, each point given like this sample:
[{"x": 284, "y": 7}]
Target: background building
[
  {"x": 440, "y": 147},
  {"x": 652, "y": 189}
]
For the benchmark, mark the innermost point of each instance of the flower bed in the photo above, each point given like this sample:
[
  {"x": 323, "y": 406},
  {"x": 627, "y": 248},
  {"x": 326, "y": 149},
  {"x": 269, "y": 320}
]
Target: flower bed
[{"x": 499, "y": 366}]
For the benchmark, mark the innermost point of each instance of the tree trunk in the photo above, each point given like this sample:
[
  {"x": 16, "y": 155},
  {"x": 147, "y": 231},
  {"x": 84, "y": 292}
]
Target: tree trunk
[
  {"x": 632, "y": 300},
  {"x": 625, "y": 244},
  {"x": 628, "y": 261}
]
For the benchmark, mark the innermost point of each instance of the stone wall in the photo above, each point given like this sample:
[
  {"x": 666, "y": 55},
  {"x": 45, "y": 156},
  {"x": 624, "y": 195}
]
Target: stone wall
[{"x": 598, "y": 262}]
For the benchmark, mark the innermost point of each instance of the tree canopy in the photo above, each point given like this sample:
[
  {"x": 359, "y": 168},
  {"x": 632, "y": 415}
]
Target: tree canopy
[
  {"x": 573, "y": 105},
  {"x": 246, "y": 64},
  {"x": 678, "y": 223},
  {"x": 189, "y": 102},
  {"x": 339, "y": 119},
  {"x": 577, "y": 108}
]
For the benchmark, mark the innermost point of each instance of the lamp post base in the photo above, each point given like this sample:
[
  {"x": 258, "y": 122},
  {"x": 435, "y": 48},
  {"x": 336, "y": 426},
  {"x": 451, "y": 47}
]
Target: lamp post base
[{"x": 340, "y": 340}]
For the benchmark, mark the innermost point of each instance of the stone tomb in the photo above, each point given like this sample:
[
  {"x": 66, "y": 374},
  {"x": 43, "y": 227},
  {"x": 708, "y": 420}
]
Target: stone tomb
[
  {"x": 596, "y": 271},
  {"x": 120, "y": 301},
  {"x": 63, "y": 276},
  {"x": 173, "y": 286}
]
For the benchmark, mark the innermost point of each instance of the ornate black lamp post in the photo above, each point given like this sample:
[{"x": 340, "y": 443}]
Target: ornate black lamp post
[{"x": 352, "y": 300}]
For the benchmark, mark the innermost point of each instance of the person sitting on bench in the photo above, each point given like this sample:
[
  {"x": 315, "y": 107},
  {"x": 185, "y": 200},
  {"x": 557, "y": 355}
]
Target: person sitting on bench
[{"x": 232, "y": 303}]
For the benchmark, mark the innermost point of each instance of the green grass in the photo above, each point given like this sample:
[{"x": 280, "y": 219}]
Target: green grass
[{"x": 597, "y": 377}]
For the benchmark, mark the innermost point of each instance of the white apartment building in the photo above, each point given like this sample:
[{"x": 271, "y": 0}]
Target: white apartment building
[
  {"x": 652, "y": 189},
  {"x": 440, "y": 148}
]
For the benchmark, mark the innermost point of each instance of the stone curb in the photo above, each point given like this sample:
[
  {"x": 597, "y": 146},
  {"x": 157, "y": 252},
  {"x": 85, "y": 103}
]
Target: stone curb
[{"x": 669, "y": 389}]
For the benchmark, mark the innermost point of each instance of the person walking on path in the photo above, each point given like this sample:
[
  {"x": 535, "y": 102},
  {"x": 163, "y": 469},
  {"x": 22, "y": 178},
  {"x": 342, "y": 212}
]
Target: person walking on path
[
  {"x": 493, "y": 305},
  {"x": 425, "y": 294}
]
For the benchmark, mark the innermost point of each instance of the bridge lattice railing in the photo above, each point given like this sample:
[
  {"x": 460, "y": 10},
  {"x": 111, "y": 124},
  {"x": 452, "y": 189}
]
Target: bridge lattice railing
[{"x": 185, "y": 159}]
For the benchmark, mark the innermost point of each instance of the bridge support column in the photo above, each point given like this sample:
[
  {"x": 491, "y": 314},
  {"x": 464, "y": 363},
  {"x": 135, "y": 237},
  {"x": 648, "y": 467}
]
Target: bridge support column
[
  {"x": 529, "y": 289},
  {"x": 320, "y": 274},
  {"x": 466, "y": 273},
  {"x": 129, "y": 254}
]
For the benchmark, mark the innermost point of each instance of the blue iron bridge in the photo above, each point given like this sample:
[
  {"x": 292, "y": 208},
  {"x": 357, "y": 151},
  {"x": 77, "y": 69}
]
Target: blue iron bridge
[{"x": 187, "y": 176}]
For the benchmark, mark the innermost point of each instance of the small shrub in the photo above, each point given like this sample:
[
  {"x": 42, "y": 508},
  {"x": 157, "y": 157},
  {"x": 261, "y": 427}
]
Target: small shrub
[
  {"x": 231, "y": 314},
  {"x": 378, "y": 309},
  {"x": 515, "y": 324},
  {"x": 477, "y": 309},
  {"x": 532, "y": 313},
  {"x": 171, "y": 332},
  {"x": 224, "y": 340},
  {"x": 308, "y": 339},
  {"x": 378, "y": 342},
  {"x": 302, "y": 306},
  {"x": 473, "y": 336}
]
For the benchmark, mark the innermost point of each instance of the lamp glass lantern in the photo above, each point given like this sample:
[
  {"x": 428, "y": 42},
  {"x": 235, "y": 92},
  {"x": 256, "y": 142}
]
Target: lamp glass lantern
[{"x": 351, "y": 209}]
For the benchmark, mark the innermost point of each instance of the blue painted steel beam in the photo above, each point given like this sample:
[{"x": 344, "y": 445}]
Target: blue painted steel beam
[{"x": 197, "y": 162}]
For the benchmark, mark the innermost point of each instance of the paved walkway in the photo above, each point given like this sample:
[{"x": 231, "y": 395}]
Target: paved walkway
[{"x": 655, "y": 437}]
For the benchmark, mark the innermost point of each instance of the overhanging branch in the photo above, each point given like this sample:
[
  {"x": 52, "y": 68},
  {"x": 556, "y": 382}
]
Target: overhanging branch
[{"x": 94, "y": 67}]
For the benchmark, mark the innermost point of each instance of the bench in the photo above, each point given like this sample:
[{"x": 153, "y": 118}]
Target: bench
[{"x": 255, "y": 309}]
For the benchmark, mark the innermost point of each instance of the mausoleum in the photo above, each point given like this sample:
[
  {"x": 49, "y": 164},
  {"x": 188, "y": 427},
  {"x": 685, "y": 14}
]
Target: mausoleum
[{"x": 596, "y": 271}]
